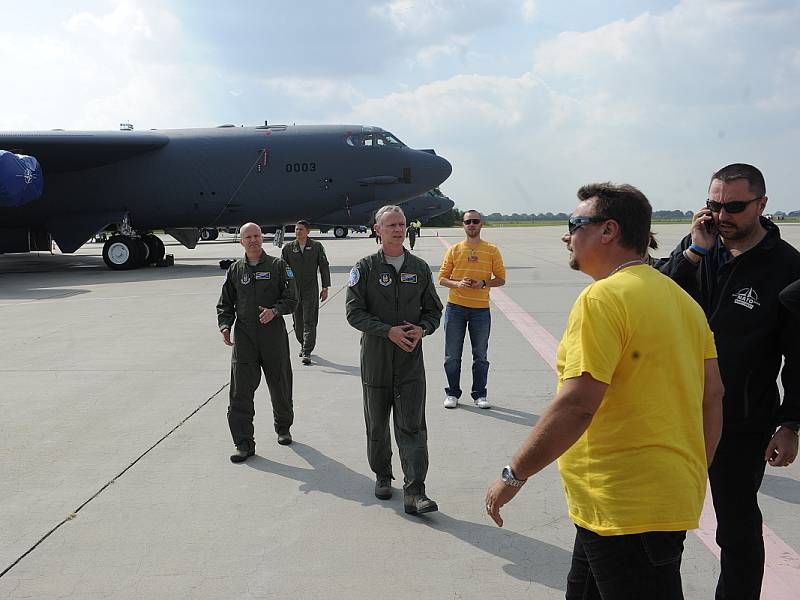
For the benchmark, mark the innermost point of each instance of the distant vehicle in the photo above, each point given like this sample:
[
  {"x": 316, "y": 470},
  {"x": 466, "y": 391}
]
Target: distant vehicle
[
  {"x": 185, "y": 181},
  {"x": 423, "y": 208}
]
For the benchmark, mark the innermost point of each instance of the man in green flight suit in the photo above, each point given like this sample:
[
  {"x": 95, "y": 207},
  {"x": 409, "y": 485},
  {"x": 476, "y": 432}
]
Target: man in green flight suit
[
  {"x": 305, "y": 256},
  {"x": 258, "y": 290},
  {"x": 392, "y": 300}
]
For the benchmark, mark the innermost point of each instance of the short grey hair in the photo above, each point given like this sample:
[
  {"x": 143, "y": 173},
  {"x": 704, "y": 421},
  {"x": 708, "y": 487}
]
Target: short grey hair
[
  {"x": 475, "y": 211},
  {"x": 387, "y": 209}
]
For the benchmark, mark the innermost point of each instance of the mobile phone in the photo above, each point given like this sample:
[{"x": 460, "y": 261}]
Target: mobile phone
[{"x": 710, "y": 227}]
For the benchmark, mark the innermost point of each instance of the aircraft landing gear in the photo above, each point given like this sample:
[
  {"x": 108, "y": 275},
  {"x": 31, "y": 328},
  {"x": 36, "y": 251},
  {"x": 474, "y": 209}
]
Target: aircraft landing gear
[
  {"x": 339, "y": 231},
  {"x": 278, "y": 239},
  {"x": 125, "y": 252},
  {"x": 122, "y": 252},
  {"x": 209, "y": 234},
  {"x": 156, "y": 249}
]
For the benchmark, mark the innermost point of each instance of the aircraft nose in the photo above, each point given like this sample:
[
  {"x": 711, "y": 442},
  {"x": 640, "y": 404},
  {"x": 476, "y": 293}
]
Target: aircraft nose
[{"x": 431, "y": 171}]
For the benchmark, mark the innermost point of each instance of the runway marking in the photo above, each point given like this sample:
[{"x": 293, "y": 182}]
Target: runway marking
[{"x": 782, "y": 562}]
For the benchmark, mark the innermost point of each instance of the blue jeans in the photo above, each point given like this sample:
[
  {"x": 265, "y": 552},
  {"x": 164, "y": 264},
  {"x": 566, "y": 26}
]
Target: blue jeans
[
  {"x": 457, "y": 319},
  {"x": 626, "y": 567}
]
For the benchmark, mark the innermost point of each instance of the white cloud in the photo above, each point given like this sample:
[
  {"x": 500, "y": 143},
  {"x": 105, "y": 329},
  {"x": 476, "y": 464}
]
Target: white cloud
[
  {"x": 530, "y": 10},
  {"x": 126, "y": 20}
]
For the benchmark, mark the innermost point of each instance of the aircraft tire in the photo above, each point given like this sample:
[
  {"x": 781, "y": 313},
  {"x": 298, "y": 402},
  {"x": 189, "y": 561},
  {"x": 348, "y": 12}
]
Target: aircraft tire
[
  {"x": 144, "y": 253},
  {"x": 121, "y": 253},
  {"x": 208, "y": 234},
  {"x": 156, "y": 248},
  {"x": 340, "y": 232}
]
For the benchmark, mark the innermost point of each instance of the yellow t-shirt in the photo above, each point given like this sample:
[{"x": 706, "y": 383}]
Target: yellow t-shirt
[
  {"x": 641, "y": 464},
  {"x": 476, "y": 261}
]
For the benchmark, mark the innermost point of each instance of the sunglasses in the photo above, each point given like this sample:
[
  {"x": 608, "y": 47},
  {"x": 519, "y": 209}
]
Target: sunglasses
[
  {"x": 576, "y": 223},
  {"x": 736, "y": 206},
  {"x": 472, "y": 221}
]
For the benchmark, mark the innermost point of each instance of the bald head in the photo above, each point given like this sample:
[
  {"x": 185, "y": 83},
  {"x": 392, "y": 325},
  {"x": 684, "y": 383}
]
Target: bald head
[{"x": 251, "y": 239}]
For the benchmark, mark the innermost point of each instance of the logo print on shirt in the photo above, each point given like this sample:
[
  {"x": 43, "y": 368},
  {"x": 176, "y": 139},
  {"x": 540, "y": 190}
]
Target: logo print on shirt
[
  {"x": 263, "y": 275},
  {"x": 385, "y": 279},
  {"x": 746, "y": 297},
  {"x": 408, "y": 278},
  {"x": 245, "y": 278}
]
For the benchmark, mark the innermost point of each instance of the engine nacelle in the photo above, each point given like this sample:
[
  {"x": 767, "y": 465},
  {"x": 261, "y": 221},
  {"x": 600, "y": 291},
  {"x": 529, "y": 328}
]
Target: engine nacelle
[{"x": 21, "y": 179}]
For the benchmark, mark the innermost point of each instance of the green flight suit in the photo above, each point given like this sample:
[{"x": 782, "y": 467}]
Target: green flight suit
[
  {"x": 305, "y": 265},
  {"x": 258, "y": 346},
  {"x": 378, "y": 298}
]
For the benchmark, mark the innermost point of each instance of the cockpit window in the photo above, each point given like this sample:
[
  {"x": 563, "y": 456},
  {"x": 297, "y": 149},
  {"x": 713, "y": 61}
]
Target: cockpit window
[
  {"x": 391, "y": 140},
  {"x": 373, "y": 137}
]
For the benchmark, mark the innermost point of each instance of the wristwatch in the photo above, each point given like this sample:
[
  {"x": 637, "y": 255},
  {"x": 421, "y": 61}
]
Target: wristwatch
[{"x": 508, "y": 478}]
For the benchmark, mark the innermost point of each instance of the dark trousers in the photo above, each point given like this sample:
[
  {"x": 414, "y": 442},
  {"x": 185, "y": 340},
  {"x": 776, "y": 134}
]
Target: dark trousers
[
  {"x": 735, "y": 477},
  {"x": 642, "y": 566},
  {"x": 266, "y": 348},
  {"x": 305, "y": 318},
  {"x": 406, "y": 403}
]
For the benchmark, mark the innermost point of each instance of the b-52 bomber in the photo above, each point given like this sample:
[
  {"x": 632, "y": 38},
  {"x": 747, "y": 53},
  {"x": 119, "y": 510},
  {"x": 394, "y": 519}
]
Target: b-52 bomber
[
  {"x": 182, "y": 180},
  {"x": 420, "y": 208}
]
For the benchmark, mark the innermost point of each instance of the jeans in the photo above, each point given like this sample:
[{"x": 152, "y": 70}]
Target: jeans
[
  {"x": 642, "y": 566},
  {"x": 735, "y": 476},
  {"x": 457, "y": 319}
]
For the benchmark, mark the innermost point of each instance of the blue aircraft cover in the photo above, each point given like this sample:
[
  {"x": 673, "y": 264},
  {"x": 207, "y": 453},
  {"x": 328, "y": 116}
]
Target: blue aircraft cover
[{"x": 21, "y": 179}]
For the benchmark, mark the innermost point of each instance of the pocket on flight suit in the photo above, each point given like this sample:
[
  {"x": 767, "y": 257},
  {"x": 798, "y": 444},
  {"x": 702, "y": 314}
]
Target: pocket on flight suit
[{"x": 410, "y": 406}]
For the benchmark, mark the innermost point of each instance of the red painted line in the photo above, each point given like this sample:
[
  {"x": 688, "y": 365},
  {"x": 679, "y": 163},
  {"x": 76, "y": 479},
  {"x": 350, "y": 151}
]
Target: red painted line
[{"x": 782, "y": 562}]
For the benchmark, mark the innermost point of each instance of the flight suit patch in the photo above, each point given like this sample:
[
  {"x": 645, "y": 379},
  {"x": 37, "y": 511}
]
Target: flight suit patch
[
  {"x": 245, "y": 278},
  {"x": 355, "y": 275},
  {"x": 408, "y": 278},
  {"x": 289, "y": 273},
  {"x": 385, "y": 279},
  {"x": 263, "y": 275}
]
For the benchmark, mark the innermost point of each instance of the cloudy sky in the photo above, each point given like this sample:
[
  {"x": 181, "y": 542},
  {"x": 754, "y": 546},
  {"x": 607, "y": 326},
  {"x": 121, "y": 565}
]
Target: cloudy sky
[{"x": 528, "y": 99}]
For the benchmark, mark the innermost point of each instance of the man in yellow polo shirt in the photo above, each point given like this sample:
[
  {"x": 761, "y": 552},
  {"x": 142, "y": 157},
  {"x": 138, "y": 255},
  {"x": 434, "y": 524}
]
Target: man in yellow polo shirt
[
  {"x": 637, "y": 414},
  {"x": 469, "y": 269}
]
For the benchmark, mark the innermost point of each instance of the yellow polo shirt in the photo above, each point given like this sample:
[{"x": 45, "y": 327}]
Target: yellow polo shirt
[{"x": 476, "y": 261}]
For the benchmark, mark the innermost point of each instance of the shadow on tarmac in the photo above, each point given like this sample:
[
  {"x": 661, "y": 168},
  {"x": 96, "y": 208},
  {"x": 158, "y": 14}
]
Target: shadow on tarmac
[
  {"x": 782, "y": 488},
  {"x": 528, "y": 559},
  {"x": 510, "y": 415},
  {"x": 336, "y": 367},
  {"x": 26, "y": 277}
]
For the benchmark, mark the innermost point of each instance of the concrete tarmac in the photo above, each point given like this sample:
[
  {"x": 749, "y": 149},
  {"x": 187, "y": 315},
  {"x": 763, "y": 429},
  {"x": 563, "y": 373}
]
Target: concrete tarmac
[{"x": 114, "y": 444}]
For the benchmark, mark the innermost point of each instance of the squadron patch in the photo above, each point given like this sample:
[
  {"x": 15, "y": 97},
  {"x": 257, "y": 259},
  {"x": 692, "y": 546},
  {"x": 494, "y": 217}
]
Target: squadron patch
[
  {"x": 408, "y": 278},
  {"x": 355, "y": 275},
  {"x": 245, "y": 278},
  {"x": 289, "y": 273},
  {"x": 263, "y": 275},
  {"x": 385, "y": 279}
]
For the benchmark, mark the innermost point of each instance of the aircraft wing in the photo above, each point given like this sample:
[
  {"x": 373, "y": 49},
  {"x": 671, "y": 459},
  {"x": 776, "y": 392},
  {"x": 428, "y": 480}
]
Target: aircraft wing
[{"x": 59, "y": 151}]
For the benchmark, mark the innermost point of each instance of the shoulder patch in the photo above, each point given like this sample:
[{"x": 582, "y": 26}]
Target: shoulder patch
[
  {"x": 289, "y": 273},
  {"x": 355, "y": 275}
]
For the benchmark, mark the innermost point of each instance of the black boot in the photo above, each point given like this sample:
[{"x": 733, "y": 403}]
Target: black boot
[
  {"x": 243, "y": 452},
  {"x": 417, "y": 504}
]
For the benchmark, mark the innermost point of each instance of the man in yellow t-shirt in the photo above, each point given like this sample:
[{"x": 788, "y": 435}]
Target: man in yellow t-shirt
[
  {"x": 469, "y": 269},
  {"x": 637, "y": 414}
]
